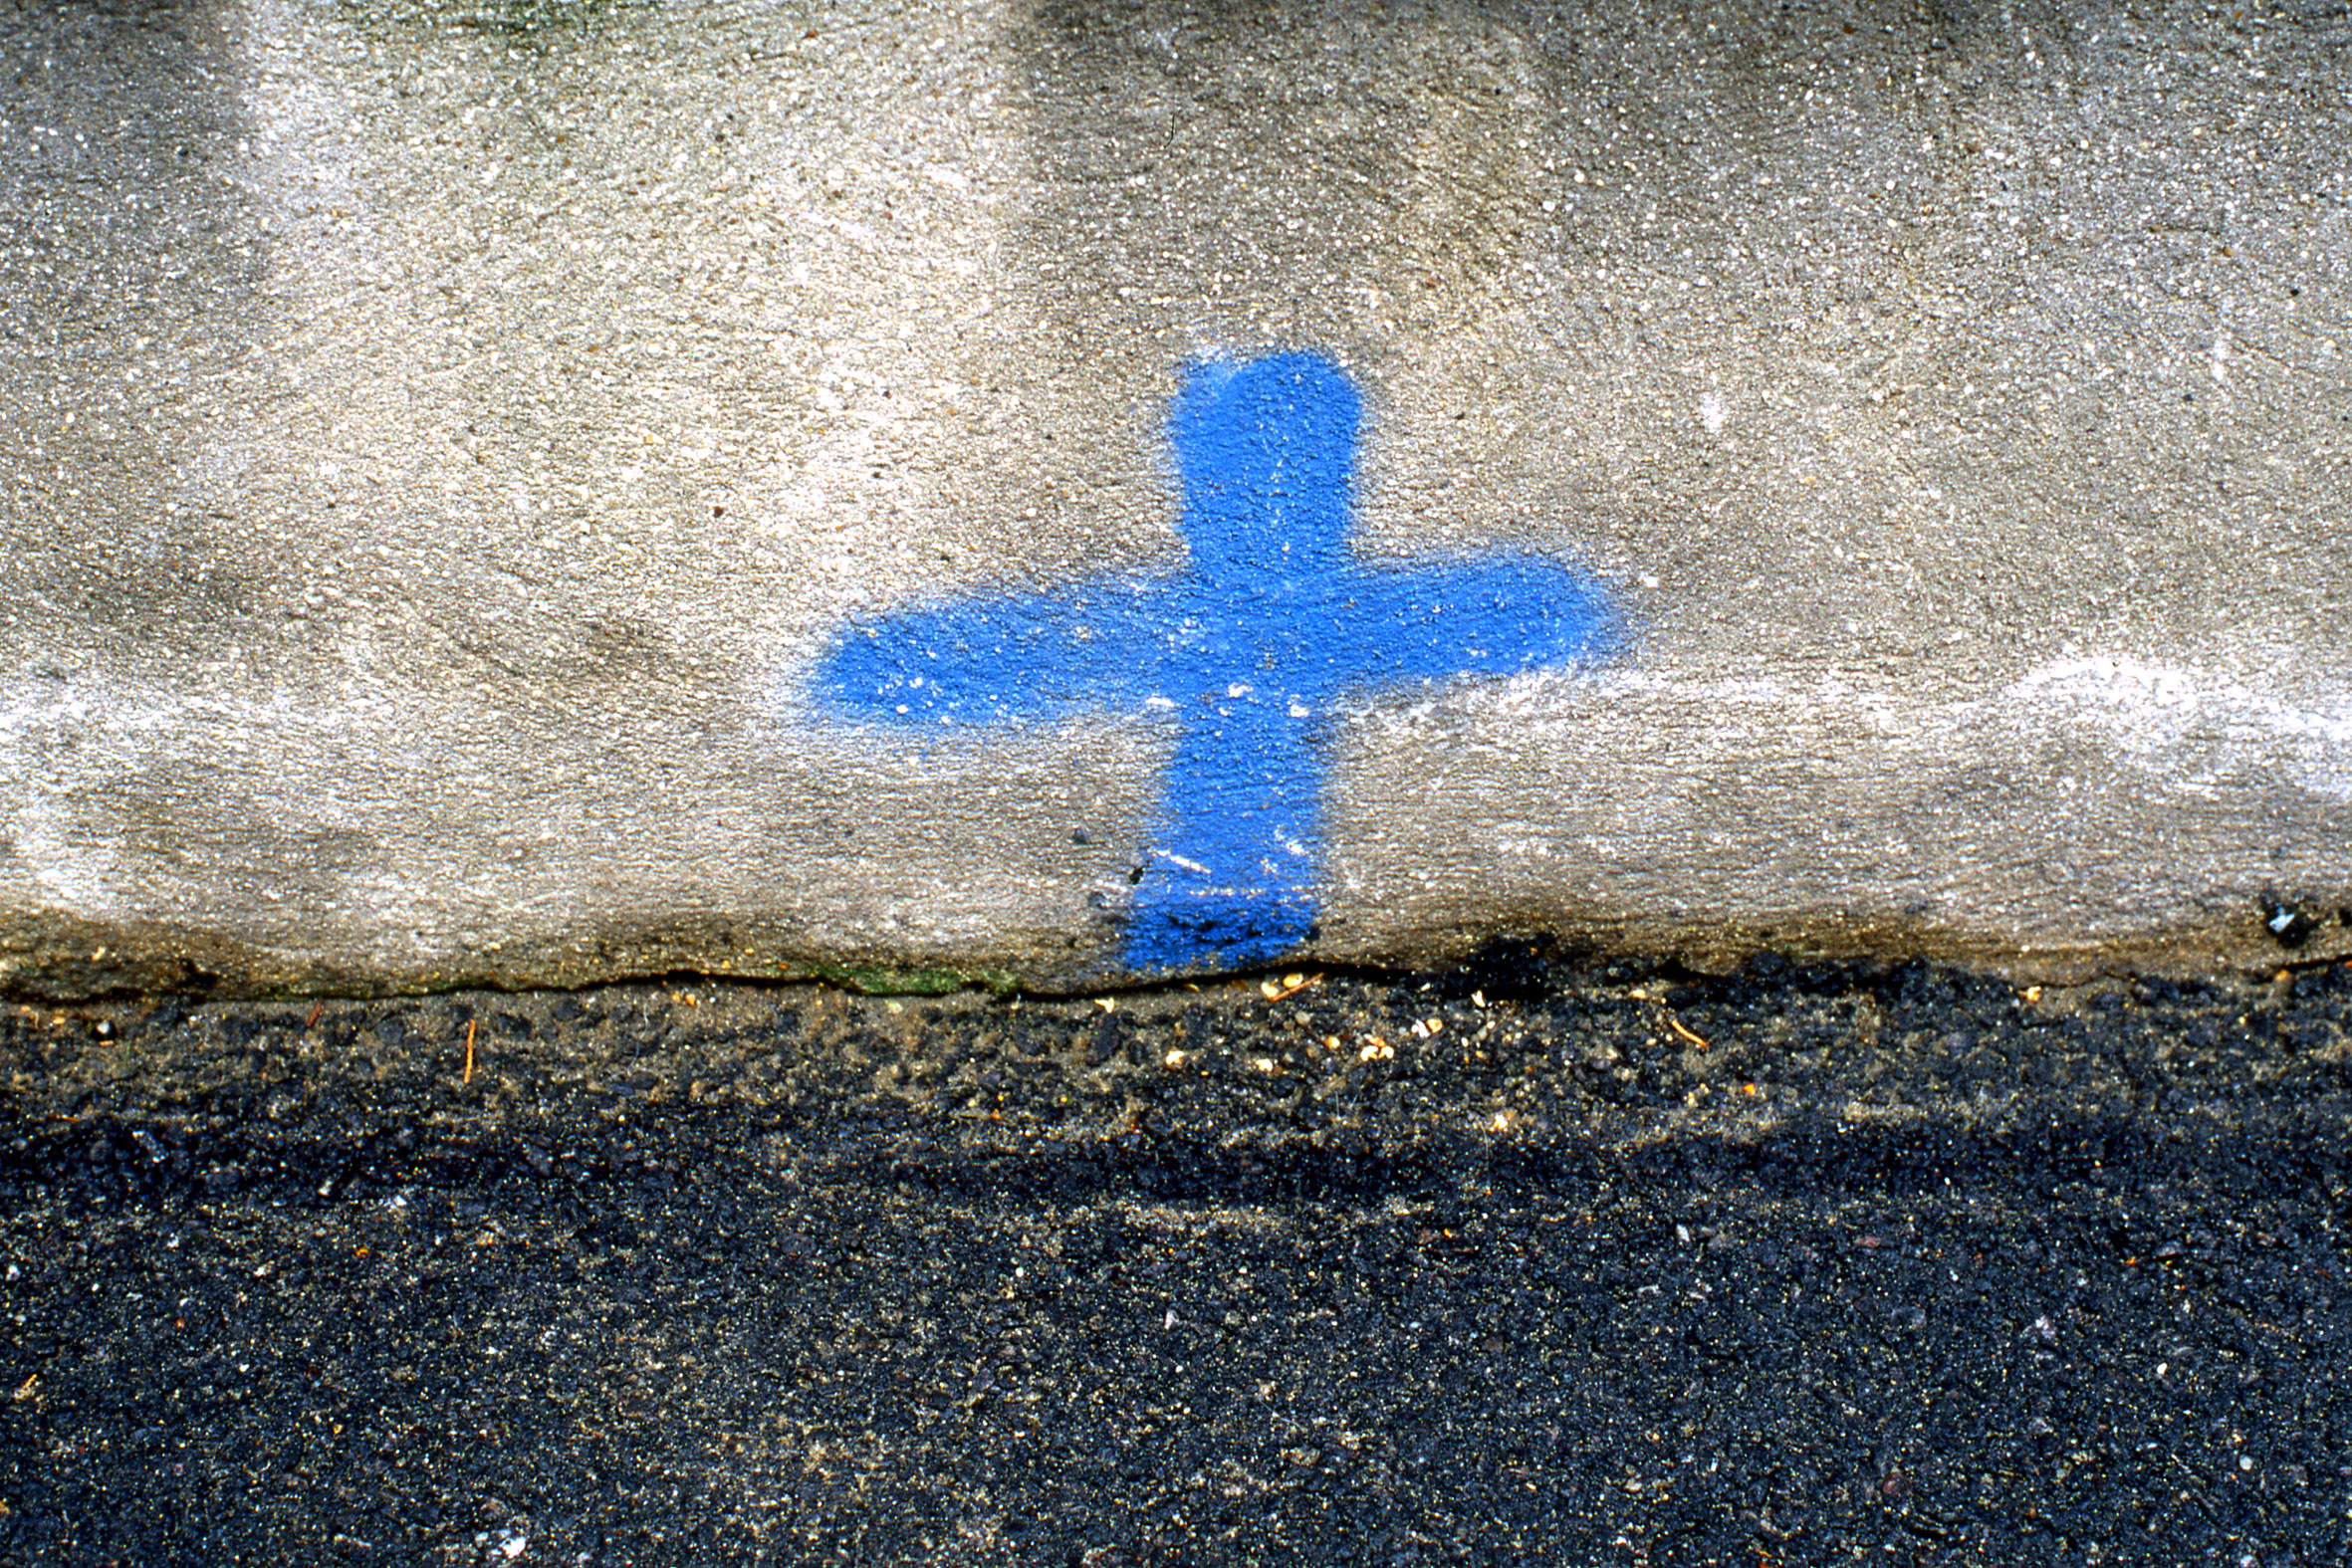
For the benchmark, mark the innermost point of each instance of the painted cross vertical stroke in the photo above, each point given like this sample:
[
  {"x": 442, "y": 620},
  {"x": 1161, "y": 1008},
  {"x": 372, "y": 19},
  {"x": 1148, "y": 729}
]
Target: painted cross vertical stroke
[{"x": 1243, "y": 654}]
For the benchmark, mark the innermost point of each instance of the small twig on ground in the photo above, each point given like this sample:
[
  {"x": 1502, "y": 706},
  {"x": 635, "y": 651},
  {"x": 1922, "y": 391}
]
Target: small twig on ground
[{"x": 1676, "y": 1025}]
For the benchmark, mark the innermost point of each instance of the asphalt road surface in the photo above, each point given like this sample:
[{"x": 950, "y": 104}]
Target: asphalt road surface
[{"x": 1537, "y": 1261}]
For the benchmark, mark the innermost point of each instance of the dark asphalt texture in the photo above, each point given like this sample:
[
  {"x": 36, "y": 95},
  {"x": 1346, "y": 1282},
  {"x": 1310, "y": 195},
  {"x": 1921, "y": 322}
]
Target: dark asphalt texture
[{"x": 1500, "y": 1265}]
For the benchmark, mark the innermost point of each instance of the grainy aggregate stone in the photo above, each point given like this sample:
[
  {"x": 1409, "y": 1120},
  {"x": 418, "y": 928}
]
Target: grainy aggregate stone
[{"x": 1495, "y": 1266}]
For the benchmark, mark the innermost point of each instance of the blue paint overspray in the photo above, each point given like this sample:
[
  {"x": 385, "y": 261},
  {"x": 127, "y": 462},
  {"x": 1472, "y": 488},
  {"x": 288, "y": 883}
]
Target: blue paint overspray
[{"x": 1243, "y": 654}]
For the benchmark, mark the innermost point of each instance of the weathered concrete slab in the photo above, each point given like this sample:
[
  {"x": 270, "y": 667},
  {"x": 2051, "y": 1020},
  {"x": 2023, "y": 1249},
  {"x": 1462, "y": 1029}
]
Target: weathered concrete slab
[{"x": 450, "y": 452}]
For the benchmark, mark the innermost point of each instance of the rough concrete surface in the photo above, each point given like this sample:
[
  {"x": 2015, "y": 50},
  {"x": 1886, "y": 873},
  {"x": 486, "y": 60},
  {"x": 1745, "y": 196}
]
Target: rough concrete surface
[
  {"x": 1534, "y": 1263},
  {"x": 440, "y": 443}
]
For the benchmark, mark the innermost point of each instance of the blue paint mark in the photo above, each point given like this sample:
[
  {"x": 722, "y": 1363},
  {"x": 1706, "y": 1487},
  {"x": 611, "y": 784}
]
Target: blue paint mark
[{"x": 1243, "y": 654}]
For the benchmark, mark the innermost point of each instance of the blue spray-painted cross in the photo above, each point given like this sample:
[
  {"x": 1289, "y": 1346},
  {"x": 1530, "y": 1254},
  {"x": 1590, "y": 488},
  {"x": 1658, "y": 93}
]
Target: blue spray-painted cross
[{"x": 1243, "y": 655}]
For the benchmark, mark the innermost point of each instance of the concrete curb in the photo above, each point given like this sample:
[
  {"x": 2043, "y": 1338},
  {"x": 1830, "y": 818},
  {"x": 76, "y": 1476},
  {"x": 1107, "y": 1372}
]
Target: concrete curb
[{"x": 1841, "y": 484}]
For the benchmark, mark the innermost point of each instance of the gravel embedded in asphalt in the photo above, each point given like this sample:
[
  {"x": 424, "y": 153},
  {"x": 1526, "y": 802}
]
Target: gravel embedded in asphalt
[{"x": 1536, "y": 1259}]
